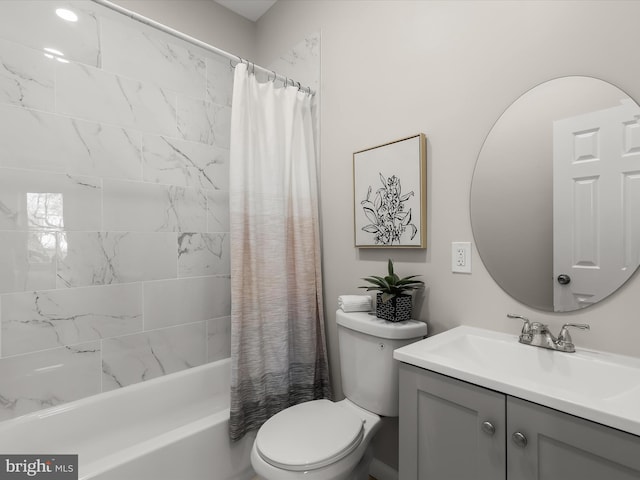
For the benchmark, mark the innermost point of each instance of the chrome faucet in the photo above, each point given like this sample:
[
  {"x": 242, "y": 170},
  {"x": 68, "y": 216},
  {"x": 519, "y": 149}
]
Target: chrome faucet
[{"x": 538, "y": 335}]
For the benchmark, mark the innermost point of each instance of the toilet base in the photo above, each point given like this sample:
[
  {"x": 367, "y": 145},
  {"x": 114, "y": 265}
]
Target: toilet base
[{"x": 361, "y": 472}]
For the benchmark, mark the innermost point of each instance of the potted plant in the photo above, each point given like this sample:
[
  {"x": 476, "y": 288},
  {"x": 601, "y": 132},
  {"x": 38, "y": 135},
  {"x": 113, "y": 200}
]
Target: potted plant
[{"x": 393, "y": 303}]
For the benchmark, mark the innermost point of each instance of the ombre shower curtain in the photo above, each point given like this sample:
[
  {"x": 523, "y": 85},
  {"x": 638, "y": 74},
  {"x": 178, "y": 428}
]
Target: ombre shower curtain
[{"x": 278, "y": 349}]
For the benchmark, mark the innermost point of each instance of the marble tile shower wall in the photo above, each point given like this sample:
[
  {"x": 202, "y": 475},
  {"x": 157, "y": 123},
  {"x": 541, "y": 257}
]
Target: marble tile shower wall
[{"x": 114, "y": 244}]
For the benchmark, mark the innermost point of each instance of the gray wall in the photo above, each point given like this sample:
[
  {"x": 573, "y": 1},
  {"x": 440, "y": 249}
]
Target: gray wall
[{"x": 449, "y": 69}]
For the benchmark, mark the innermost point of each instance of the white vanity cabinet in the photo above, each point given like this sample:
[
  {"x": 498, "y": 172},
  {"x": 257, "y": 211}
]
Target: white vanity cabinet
[{"x": 454, "y": 430}]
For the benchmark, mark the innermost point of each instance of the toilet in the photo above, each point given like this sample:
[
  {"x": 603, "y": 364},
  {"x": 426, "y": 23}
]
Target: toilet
[{"x": 324, "y": 440}]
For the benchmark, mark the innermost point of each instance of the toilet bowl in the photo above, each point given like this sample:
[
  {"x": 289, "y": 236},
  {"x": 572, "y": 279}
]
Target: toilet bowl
[{"x": 325, "y": 440}]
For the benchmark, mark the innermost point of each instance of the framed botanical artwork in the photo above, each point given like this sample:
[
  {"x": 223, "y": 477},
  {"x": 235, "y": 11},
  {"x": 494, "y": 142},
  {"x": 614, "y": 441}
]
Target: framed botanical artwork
[{"x": 389, "y": 193}]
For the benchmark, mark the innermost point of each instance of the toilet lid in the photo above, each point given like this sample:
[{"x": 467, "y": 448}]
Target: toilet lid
[{"x": 309, "y": 435}]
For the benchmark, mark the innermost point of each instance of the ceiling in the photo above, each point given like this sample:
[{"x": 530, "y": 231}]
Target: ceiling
[{"x": 251, "y": 9}]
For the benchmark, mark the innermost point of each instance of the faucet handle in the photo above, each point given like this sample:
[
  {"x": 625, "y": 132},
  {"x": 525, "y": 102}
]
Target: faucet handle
[
  {"x": 564, "y": 336},
  {"x": 527, "y": 323},
  {"x": 526, "y": 327}
]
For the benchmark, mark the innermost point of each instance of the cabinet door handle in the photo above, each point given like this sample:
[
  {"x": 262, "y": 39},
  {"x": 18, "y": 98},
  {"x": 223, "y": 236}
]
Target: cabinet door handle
[
  {"x": 488, "y": 428},
  {"x": 519, "y": 439}
]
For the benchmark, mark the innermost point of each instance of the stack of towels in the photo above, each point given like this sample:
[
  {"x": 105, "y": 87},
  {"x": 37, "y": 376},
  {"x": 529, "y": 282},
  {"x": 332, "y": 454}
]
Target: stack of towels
[{"x": 354, "y": 303}]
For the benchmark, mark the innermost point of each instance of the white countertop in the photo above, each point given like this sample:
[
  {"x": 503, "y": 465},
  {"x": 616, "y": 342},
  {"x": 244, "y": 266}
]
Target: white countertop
[{"x": 599, "y": 386}]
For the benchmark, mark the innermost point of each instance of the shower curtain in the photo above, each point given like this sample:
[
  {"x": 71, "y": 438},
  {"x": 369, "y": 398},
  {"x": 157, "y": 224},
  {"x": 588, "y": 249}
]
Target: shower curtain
[{"x": 278, "y": 349}]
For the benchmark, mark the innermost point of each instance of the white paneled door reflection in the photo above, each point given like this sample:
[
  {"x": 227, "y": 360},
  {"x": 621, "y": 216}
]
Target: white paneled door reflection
[{"x": 596, "y": 203}]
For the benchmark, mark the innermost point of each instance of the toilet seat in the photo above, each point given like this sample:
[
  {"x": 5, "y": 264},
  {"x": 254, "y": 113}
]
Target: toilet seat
[{"x": 309, "y": 436}]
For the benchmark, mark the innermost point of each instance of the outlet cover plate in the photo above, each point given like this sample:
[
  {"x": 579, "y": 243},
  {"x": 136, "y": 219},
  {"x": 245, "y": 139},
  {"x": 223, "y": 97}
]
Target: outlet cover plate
[{"x": 461, "y": 257}]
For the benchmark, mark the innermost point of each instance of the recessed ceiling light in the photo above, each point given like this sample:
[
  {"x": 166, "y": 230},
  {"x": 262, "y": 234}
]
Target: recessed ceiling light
[
  {"x": 67, "y": 15},
  {"x": 62, "y": 60}
]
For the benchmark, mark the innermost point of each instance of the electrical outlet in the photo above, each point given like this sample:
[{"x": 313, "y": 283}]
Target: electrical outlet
[{"x": 461, "y": 257}]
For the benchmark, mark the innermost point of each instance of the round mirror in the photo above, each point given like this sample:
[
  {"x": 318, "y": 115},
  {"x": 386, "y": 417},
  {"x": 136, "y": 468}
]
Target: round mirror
[{"x": 555, "y": 196}]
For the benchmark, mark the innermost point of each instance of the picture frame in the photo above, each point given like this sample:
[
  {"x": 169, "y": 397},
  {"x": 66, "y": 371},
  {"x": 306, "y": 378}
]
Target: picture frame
[{"x": 389, "y": 194}]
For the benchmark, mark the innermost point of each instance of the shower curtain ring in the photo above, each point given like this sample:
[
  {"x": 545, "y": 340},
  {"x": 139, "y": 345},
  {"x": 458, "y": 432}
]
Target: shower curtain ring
[{"x": 275, "y": 75}]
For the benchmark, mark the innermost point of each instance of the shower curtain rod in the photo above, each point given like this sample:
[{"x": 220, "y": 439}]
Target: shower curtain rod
[{"x": 187, "y": 38}]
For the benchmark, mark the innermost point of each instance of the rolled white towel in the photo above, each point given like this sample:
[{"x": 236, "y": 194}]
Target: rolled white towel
[{"x": 354, "y": 303}]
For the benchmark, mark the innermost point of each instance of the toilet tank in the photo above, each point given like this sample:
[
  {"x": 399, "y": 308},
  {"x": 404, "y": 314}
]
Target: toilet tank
[{"x": 369, "y": 371}]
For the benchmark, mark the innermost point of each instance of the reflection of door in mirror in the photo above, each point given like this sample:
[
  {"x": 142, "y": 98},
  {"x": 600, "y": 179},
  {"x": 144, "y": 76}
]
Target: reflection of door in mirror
[
  {"x": 512, "y": 194},
  {"x": 596, "y": 156}
]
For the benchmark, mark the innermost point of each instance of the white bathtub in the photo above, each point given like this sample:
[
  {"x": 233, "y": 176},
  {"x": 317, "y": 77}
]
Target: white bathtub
[{"x": 173, "y": 427}]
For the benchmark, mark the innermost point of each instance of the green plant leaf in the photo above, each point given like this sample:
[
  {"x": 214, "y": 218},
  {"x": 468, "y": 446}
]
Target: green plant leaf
[
  {"x": 392, "y": 285},
  {"x": 374, "y": 280},
  {"x": 387, "y": 296},
  {"x": 378, "y": 282},
  {"x": 379, "y": 279},
  {"x": 410, "y": 279},
  {"x": 392, "y": 279}
]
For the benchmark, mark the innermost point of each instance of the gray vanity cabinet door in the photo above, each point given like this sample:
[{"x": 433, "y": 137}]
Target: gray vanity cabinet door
[
  {"x": 561, "y": 446},
  {"x": 441, "y": 428}
]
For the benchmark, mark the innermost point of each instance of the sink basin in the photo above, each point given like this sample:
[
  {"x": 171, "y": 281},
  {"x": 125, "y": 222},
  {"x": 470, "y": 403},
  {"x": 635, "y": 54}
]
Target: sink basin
[{"x": 598, "y": 386}]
